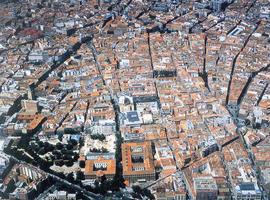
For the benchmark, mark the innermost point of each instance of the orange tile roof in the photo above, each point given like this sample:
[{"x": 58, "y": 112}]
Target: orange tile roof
[
  {"x": 110, "y": 167},
  {"x": 127, "y": 153}
]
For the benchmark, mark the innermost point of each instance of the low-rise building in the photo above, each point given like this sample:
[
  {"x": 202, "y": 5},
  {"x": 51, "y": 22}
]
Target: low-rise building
[
  {"x": 138, "y": 164},
  {"x": 96, "y": 168}
]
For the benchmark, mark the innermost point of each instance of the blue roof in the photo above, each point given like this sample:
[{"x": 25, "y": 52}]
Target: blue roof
[
  {"x": 133, "y": 116},
  {"x": 75, "y": 137},
  {"x": 247, "y": 186}
]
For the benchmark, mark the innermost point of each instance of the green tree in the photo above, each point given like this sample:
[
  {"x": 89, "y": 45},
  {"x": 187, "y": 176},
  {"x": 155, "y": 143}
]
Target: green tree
[
  {"x": 70, "y": 177},
  {"x": 69, "y": 146},
  {"x": 59, "y": 163},
  {"x": 60, "y": 136},
  {"x": 73, "y": 142},
  {"x": 59, "y": 146},
  {"x": 82, "y": 164},
  {"x": 76, "y": 157},
  {"x": 42, "y": 151},
  {"x": 69, "y": 163},
  {"x": 80, "y": 175},
  {"x": 100, "y": 137}
]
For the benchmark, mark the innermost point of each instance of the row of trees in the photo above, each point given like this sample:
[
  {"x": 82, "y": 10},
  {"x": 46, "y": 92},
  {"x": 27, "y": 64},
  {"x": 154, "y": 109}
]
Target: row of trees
[
  {"x": 42, "y": 148},
  {"x": 100, "y": 137},
  {"x": 60, "y": 153},
  {"x": 102, "y": 150}
]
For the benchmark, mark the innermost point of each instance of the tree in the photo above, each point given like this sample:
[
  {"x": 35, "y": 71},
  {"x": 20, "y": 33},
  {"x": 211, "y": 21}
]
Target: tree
[
  {"x": 95, "y": 150},
  {"x": 104, "y": 187},
  {"x": 137, "y": 189},
  {"x": 34, "y": 146},
  {"x": 80, "y": 175},
  {"x": 67, "y": 157},
  {"x": 70, "y": 152},
  {"x": 117, "y": 182},
  {"x": 103, "y": 179},
  {"x": 63, "y": 151},
  {"x": 43, "y": 164},
  {"x": 104, "y": 150},
  {"x": 70, "y": 131},
  {"x": 73, "y": 142},
  {"x": 148, "y": 194},
  {"x": 57, "y": 155},
  {"x": 52, "y": 157},
  {"x": 144, "y": 192},
  {"x": 46, "y": 144},
  {"x": 55, "y": 152},
  {"x": 82, "y": 164},
  {"x": 69, "y": 146},
  {"x": 97, "y": 188},
  {"x": 100, "y": 137},
  {"x": 40, "y": 144},
  {"x": 50, "y": 148},
  {"x": 60, "y": 136},
  {"x": 69, "y": 163},
  {"x": 60, "y": 174},
  {"x": 76, "y": 157},
  {"x": 70, "y": 177},
  {"x": 59, "y": 163},
  {"x": 89, "y": 188},
  {"x": 118, "y": 153},
  {"x": 41, "y": 151},
  {"x": 59, "y": 146}
]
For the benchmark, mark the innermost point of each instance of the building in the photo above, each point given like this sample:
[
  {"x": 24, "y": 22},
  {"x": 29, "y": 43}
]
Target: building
[
  {"x": 132, "y": 118},
  {"x": 205, "y": 188},
  {"x": 61, "y": 195},
  {"x": 257, "y": 115},
  {"x": 30, "y": 106},
  {"x": 125, "y": 103},
  {"x": 4, "y": 164},
  {"x": 217, "y": 5},
  {"x": 170, "y": 188},
  {"x": 96, "y": 168},
  {"x": 246, "y": 191},
  {"x": 138, "y": 163},
  {"x": 24, "y": 182}
]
